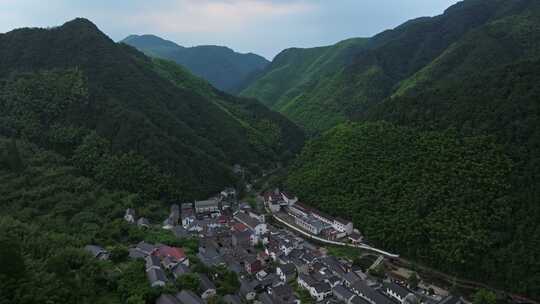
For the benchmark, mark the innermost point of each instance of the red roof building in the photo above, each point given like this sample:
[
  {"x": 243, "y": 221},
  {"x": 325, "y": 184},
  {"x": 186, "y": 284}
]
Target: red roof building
[
  {"x": 240, "y": 227},
  {"x": 171, "y": 252}
]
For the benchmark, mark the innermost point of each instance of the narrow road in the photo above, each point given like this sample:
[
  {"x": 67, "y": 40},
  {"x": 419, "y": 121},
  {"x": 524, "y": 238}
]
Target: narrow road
[{"x": 322, "y": 240}]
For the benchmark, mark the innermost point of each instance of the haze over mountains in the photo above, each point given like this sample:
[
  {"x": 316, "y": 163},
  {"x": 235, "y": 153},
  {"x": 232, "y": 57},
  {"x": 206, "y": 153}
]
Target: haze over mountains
[{"x": 224, "y": 68}]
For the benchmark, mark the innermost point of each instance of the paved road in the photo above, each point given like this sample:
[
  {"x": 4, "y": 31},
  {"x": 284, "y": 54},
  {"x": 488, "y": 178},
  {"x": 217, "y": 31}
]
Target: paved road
[{"x": 322, "y": 240}]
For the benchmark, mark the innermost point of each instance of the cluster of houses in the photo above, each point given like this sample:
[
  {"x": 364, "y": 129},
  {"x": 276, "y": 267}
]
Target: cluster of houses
[
  {"x": 309, "y": 219},
  {"x": 160, "y": 260},
  {"x": 272, "y": 264}
]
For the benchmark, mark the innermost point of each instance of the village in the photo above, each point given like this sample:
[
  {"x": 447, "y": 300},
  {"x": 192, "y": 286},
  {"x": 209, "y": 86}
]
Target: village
[{"x": 276, "y": 250}]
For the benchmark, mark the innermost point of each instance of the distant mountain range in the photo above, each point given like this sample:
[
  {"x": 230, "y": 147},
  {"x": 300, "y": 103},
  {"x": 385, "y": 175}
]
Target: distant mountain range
[{"x": 224, "y": 68}]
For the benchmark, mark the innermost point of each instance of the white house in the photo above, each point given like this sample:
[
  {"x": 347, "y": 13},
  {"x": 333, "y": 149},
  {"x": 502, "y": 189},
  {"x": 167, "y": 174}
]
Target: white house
[
  {"x": 317, "y": 290},
  {"x": 396, "y": 291},
  {"x": 259, "y": 228},
  {"x": 286, "y": 272},
  {"x": 288, "y": 198},
  {"x": 311, "y": 224},
  {"x": 320, "y": 291},
  {"x": 342, "y": 225},
  {"x": 130, "y": 215},
  {"x": 207, "y": 206},
  {"x": 187, "y": 220}
]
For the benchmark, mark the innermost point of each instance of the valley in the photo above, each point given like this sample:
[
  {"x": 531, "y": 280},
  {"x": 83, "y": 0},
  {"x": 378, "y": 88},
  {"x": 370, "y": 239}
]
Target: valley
[{"x": 400, "y": 167}]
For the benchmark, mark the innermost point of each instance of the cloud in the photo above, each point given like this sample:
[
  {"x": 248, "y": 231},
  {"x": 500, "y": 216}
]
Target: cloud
[
  {"x": 214, "y": 16},
  {"x": 262, "y": 26}
]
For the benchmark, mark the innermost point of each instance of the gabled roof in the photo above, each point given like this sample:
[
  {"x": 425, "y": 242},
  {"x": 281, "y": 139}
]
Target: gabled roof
[
  {"x": 156, "y": 275},
  {"x": 370, "y": 293},
  {"x": 146, "y": 248},
  {"x": 180, "y": 269},
  {"x": 232, "y": 299},
  {"x": 288, "y": 268},
  {"x": 246, "y": 287},
  {"x": 351, "y": 277},
  {"x": 152, "y": 261},
  {"x": 282, "y": 291},
  {"x": 265, "y": 298},
  {"x": 173, "y": 252},
  {"x": 188, "y": 297},
  {"x": 207, "y": 203},
  {"x": 242, "y": 235},
  {"x": 322, "y": 287},
  {"x": 167, "y": 299},
  {"x": 95, "y": 250},
  {"x": 359, "y": 300},
  {"x": 310, "y": 281},
  {"x": 399, "y": 290},
  {"x": 136, "y": 254},
  {"x": 143, "y": 222},
  {"x": 249, "y": 221},
  {"x": 342, "y": 292},
  {"x": 451, "y": 300}
]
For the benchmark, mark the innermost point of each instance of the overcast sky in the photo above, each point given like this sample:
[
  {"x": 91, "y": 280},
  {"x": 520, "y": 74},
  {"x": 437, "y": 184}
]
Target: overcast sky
[{"x": 261, "y": 26}]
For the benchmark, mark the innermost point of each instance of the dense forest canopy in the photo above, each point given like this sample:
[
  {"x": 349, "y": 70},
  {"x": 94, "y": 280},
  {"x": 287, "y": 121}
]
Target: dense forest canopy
[
  {"x": 437, "y": 197},
  {"x": 89, "y": 128},
  {"x": 451, "y": 177},
  {"x": 426, "y": 137},
  {"x": 321, "y": 87},
  {"x": 64, "y": 84}
]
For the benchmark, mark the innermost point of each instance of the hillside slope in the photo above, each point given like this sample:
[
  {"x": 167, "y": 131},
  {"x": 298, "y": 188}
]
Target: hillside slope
[
  {"x": 372, "y": 69},
  {"x": 483, "y": 90},
  {"x": 73, "y": 90},
  {"x": 222, "y": 67},
  {"x": 439, "y": 198}
]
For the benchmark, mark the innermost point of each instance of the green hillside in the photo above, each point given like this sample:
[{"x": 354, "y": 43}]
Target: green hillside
[
  {"x": 370, "y": 70},
  {"x": 49, "y": 213},
  {"x": 456, "y": 159},
  {"x": 222, "y": 67},
  {"x": 89, "y": 128},
  {"x": 73, "y": 90},
  {"x": 297, "y": 72},
  {"x": 438, "y": 198}
]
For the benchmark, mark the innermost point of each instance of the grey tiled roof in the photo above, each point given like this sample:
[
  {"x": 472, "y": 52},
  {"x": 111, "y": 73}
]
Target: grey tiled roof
[{"x": 188, "y": 297}]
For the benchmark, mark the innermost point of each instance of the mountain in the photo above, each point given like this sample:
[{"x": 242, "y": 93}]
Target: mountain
[
  {"x": 321, "y": 87},
  {"x": 444, "y": 166},
  {"x": 72, "y": 90},
  {"x": 222, "y": 67},
  {"x": 88, "y": 128}
]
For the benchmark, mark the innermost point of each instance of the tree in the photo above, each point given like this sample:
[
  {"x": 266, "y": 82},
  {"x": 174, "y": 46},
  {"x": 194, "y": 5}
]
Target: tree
[
  {"x": 484, "y": 296},
  {"x": 119, "y": 253},
  {"x": 14, "y": 159},
  {"x": 413, "y": 281},
  {"x": 379, "y": 271},
  {"x": 188, "y": 281}
]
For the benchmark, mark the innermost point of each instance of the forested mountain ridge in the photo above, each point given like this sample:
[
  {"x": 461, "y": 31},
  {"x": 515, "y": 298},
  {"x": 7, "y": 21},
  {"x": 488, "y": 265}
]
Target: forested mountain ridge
[
  {"x": 374, "y": 68},
  {"x": 222, "y": 67},
  {"x": 73, "y": 90},
  {"x": 478, "y": 98},
  {"x": 296, "y": 72}
]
